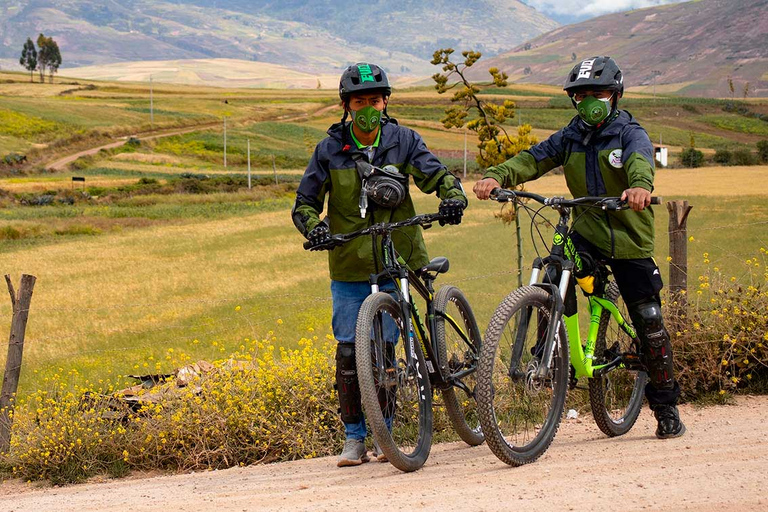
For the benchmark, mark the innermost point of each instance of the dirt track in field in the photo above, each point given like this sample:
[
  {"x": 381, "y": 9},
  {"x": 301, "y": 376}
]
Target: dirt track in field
[{"x": 719, "y": 465}]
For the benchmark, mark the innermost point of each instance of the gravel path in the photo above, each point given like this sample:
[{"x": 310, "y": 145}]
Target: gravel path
[{"x": 720, "y": 464}]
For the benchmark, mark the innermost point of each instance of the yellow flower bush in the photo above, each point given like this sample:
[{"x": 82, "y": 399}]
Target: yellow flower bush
[
  {"x": 723, "y": 344},
  {"x": 263, "y": 403}
]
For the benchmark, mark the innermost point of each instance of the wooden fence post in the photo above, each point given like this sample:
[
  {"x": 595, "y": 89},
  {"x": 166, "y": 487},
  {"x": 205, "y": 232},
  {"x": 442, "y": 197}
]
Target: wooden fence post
[
  {"x": 20, "y": 305},
  {"x": 678, "y": 252}
]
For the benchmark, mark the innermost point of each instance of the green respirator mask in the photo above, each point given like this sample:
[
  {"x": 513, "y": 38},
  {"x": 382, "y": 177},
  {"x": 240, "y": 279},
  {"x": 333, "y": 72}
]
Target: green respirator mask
[
  {"x": 594, "y": 111},
  {"x": 367, "y": 118}
]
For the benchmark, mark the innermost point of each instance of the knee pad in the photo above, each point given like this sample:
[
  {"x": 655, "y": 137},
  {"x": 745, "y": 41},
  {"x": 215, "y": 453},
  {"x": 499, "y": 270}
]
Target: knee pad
[
  {"x": 656, "y": 345},
  {"x": 346, "y": 383}
]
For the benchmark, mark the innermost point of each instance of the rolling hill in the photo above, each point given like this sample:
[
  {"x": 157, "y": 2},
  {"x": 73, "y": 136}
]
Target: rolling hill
[
  {"x": 310, "y": 36},
  {"x": 689, "y": 48}
]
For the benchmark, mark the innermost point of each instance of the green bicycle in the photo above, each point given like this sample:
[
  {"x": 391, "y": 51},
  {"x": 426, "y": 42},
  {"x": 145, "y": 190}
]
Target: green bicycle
[{"x": 524, "y": 373}]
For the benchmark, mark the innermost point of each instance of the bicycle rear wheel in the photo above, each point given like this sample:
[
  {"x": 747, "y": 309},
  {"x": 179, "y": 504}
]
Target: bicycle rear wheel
[
  {"x": 520, "y": 413},
  {"x": 394, "y": 383},
  {"x": 455, "y": 325},
  {"x": 616, "y": 397}
]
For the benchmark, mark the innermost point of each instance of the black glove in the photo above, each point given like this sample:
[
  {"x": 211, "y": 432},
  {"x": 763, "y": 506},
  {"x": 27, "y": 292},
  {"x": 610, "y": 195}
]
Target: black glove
[
  {"x": 451, "y": 210},
  {"x": 319, "y": 235}
]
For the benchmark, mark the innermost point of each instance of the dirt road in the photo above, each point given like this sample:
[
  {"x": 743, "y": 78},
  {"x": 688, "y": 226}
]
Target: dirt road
[
  {"x": 720, "y": 464},
  {"x": 62, "y": 163}
]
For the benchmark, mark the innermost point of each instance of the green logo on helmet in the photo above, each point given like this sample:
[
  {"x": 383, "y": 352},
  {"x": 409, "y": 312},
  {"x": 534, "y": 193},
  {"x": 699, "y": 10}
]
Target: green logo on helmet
[{"x": 366, "y": 75}]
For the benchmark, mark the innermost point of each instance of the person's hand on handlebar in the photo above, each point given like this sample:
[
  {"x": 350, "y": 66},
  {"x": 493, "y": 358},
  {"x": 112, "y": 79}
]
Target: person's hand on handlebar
[
  {"x": 451, "y": 210},
  {"x": 483, "y": 188},
  {"x": 319, "y": 235},
  {"x": 637, "y": 198}
]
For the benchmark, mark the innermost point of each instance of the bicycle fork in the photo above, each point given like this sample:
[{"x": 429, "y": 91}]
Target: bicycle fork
[{"x": 553, "y": 325}]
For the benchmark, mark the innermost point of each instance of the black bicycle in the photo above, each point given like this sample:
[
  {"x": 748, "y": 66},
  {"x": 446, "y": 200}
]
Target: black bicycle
[
  {"x": 401, "y": 358},
  {"x": 524, "y": 372}
]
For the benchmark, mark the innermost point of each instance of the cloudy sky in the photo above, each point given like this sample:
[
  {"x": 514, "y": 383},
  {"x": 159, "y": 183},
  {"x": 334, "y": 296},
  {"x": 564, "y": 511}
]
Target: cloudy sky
[{"x": 568, "y": 11}]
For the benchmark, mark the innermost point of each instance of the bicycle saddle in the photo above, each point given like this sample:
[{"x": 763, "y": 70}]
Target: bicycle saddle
[{"x": 438, "y": 265}]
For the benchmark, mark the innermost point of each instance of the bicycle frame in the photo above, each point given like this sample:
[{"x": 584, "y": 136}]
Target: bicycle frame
[
  {"x": 395, "y": 266},
  {"x": 565, "y": 257}
]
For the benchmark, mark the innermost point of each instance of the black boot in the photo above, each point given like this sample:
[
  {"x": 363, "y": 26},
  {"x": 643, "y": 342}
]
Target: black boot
[{"x": 669, "y": 421}]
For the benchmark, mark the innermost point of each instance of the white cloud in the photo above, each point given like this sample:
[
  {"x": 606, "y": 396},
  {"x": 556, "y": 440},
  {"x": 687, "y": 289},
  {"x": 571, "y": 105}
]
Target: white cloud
[{"x": 589, "y": 8}]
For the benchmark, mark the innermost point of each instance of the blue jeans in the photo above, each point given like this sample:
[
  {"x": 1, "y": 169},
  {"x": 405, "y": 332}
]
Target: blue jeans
[{"x": 347, "y": 299}]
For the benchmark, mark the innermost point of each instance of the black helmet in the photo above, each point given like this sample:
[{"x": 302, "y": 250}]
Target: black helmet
[
  {"x": 601, "y": 73},
  {"x": 363, "y": 77}
]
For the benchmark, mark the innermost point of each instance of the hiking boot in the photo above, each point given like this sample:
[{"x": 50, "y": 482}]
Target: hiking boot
[
  {"x": 354, "y": 453},
  {"x": 378, "y": 454},
  {"x": 669, "y": 422}
]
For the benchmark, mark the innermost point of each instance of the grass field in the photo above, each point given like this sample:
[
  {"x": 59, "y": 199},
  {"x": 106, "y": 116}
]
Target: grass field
[
  {"x": 203, "y": 276},
  {"x": 137, "y": 267}
]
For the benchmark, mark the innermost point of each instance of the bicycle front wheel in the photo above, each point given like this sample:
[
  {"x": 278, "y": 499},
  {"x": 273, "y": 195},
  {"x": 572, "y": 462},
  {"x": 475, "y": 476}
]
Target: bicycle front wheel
[
  {"x": 519, "y": 411},
  {"x": 458, "y": 343},
  {"x": 616, "y": 397},
  {"x": 394, "y": 383}
]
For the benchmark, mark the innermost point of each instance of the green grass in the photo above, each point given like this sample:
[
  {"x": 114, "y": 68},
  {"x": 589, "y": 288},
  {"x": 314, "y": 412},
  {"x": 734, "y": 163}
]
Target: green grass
[
  {"x": 109, "y": 302},
  {"x": 737, "y": 123}
]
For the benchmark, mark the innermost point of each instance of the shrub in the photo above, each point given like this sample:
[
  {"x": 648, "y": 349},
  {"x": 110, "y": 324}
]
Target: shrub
[
  {"x": 762, "y": 151},
  {"x": 722, "y": 156},
  {"x": 692, "y": 157},
  {"x": 722, "y": 344},
  {"x": 743, "y": 157},
  {"x": 262, "y": 404}
]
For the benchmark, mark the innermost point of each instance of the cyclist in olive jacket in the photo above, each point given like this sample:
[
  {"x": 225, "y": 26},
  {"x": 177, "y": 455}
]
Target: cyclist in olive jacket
[
  {"x": 373, "y": 137},
  {"x": 605, "y": 152}
]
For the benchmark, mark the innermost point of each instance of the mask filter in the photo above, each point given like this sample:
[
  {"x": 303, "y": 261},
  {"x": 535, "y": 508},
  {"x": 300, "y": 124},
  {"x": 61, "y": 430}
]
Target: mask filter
[{"x": 593, "y": 111}]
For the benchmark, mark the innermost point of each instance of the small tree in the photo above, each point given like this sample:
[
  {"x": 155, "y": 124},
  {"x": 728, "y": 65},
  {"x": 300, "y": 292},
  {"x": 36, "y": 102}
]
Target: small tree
[
  {"x": 43, "y": 55},
  {"x": 495, "y": 144},
  {"x": 29, "y": 58},
  {"x": 746, "y": 90},
  {"x": 730, "y": 86},
  {"x": 54, "y": 59},
  {"x": 762, "y": 151}
]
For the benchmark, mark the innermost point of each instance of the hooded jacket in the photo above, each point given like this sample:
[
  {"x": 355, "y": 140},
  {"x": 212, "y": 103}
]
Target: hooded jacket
[
  {"x": 602, "y": 162},
  {"x": 331, "y": 172}
]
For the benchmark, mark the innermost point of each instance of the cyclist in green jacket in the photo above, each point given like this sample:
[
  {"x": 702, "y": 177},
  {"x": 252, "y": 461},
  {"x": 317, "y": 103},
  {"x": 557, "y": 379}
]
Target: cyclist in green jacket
[
  {"x": 605, "y": 152},
  {"x": 372, "y": 137}
]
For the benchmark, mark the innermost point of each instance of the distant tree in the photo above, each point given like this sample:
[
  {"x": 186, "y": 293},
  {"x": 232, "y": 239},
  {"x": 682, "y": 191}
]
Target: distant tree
[
  {"x": 54, "y": 59},
  {"x": 527, "y": 46},
  {"x": 29, "y": 58},
  {"x": 746, "y": 90},
  {"x": 762, "y": 151},
  {"x": 573, "y": 56},
  {"x": 730, "y": 86},
  {"x": 43, "y": 55},
  {"x": 319, "y": 85},
  {"x": 527, "y": 70}
]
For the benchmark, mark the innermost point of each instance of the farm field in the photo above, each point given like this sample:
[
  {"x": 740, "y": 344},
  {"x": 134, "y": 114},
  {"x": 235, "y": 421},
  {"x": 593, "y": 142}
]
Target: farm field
[
  {"x": 163, "y": 248},
  {"x": 200, "y": 277}
]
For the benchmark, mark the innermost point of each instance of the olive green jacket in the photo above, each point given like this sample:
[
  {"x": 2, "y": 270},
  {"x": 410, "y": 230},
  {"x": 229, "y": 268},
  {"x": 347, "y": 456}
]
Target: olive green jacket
[
  {"x": 596, "y": 163},
  {"x": 332, "y": 173}
]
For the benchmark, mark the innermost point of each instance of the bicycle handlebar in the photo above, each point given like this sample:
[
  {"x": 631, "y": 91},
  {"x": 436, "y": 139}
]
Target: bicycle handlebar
[
  {"x": 606, "y": 203},
  {"x": 376, "y": 229}
]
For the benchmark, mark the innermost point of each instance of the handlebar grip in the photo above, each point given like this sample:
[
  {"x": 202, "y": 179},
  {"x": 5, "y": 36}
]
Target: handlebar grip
[{"x": 656, "y": 200}]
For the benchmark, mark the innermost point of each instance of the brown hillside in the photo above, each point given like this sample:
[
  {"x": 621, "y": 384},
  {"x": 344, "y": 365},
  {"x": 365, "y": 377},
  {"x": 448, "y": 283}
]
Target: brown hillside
[{"x": 692, "y": 48}]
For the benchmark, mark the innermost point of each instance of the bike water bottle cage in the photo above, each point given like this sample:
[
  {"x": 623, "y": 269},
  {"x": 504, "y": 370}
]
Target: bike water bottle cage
[{"x": 386, "y": 186}]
